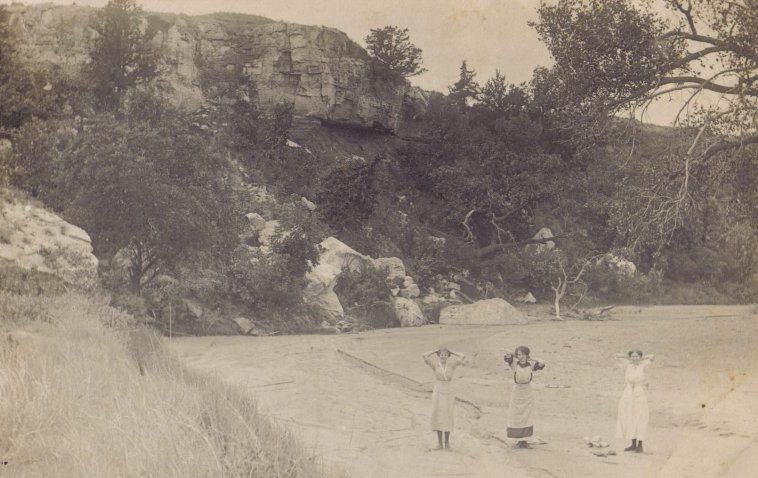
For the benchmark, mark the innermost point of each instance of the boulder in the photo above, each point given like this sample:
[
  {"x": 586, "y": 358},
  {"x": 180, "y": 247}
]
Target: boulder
[
  {"x": 484, "y": 312},
  {"x": 256, "y": 221},
  {"x": 246, "y": 325},
  {"x": 618, "y": 265},
  {"x": 408, "y": 313},
  {"x": 410, "y": 292},
  {"x": 528, "y": 298},
  {"x": 452, "y": 286},
  {"x": 543, "y": 233},
  {"x": 311, "y": 206},
  {"x": 193, "y": 308},
  {"x": 33, "y": 238},
  {"x": 222, "y": 326},
  {"x": 394, "y": 265},
  {"x": 335, "y": 255}
]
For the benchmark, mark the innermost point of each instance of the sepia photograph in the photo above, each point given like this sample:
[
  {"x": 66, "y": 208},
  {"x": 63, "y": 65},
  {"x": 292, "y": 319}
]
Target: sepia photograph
[{"x": 379, "y": 238}]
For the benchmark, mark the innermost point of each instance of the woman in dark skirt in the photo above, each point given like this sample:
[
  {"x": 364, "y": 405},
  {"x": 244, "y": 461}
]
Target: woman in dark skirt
[{"x": 521, "y": 408}]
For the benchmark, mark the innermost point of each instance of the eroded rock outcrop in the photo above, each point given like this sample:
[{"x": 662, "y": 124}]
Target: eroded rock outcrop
[
  {"x": 33, "y": 238},
  {"x": 335, "y": 255},
  {"x": 223, "y": 57}
]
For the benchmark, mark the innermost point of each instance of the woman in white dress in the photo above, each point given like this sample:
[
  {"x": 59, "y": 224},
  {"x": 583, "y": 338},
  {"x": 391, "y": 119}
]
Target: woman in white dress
[
  {"x": 633, "y": 411},
  {"x": 521, "y": 407},
  {"x": 443, "y": 362}
]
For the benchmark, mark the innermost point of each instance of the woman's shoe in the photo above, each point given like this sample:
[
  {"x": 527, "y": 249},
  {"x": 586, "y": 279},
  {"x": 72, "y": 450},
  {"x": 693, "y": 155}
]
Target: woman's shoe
[{"x": 631, "y": 448}]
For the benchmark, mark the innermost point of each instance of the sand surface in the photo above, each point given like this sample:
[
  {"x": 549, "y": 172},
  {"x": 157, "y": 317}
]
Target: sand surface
[{"x": 362, "y": 400}]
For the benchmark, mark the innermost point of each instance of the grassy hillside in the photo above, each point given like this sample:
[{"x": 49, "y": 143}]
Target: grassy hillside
[{"x": 83, "y": 392}]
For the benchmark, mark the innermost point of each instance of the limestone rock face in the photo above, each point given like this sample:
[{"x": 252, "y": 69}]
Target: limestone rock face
[
  {"x": 35, "y": 239},
  {"x": 223, "y": 57},
  {"x": 483, "y": 312}
]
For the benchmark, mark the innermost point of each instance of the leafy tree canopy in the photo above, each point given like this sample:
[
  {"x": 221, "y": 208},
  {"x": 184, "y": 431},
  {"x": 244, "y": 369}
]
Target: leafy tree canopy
[{"x": 618, "y": 57}]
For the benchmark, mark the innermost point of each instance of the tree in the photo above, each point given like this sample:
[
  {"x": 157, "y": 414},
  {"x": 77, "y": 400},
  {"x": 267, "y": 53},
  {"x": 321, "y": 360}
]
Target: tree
[
  {"x": 618, "y": 57},
  {"x": 392, "y": 51},
  {"x": 498, "y": 99},
  {"x": 494, "y": 93},
  {"x": 23, "y": 92},
  {"x": 466, "y": 90},
  {"x": 121, "y": 56},
  {"x": 152, "y": 191}
]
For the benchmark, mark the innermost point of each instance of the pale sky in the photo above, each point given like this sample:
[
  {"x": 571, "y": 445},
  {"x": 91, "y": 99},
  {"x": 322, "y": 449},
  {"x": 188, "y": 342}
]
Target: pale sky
[{"x": 488, "y": 34}]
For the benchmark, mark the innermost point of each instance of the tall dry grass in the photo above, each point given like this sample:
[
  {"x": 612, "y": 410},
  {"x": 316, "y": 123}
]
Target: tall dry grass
[{"x": 80, "y": 398}]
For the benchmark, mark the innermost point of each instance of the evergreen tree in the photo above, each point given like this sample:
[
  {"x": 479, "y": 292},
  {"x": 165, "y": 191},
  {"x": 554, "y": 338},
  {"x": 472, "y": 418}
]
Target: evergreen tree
[
  {"x": 121, "y": 57},
  {"x": 466, "y": 90},
  {"x": 392, "y": 51}
]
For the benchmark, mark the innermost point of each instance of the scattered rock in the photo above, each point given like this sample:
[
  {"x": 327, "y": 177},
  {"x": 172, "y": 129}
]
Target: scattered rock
[
  {"x": 543, "y": 233},
  {"x": 192, "y": 308},
  {"x": 256, "y": 221},
  {"x": 394, "y": 265},
  {"x": 308, "y": 204},
  {"x": 484, "y": 312},
  {"x": 246, "y": 325},
  {"x": 222, "y": 326},
  {"x": 617, "y": 264},
  {"x": 411, "y": 292},
  {"x": 335, "y": 255},
  {"x": 408, "y": 313},
  {"x": 528, "y": 298}
]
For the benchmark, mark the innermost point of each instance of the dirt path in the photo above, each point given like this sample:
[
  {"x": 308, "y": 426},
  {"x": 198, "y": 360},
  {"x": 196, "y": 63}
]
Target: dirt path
[{"x": 362, "y": 400}]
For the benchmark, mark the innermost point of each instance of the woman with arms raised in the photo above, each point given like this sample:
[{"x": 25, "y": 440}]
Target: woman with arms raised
[
  {"x": 633, "y": 411},
  {"x": 443, "y": 362}
]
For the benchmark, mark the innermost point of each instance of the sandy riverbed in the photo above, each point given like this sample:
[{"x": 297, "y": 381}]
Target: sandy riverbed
[{"x": 362, "y": 400}]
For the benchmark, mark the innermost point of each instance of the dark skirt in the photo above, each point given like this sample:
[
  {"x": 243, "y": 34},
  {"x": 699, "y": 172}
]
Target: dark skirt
[{"x": 520, "y": 423}]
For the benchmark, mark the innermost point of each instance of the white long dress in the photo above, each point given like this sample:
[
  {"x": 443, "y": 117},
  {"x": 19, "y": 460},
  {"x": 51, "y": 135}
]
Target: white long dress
[
  {"x": 633, "y": 411},
  {"x": 443, "y": 400}
]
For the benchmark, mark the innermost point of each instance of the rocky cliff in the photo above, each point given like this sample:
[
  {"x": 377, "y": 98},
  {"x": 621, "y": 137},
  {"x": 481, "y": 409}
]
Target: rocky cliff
[
  {"x": 36, "y": 240},
  {"x": 219, "y": 57}
]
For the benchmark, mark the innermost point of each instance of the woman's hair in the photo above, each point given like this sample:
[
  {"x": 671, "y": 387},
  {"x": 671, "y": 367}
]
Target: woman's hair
[
  {"x": 523, "y": 349},
  {"x": 635, "y": 351},
  {"x": 443, "y": 349}
]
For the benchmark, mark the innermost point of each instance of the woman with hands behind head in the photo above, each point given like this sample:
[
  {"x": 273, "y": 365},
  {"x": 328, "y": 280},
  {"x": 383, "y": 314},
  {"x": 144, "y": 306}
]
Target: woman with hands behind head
[
  {"x": 633, "y": 411},
  {"x": 521, "y": 408},
  {"x": 443, "y": 362}
]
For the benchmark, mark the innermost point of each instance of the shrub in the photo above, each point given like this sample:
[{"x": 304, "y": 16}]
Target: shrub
[{"x": 365, "y": 295}]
